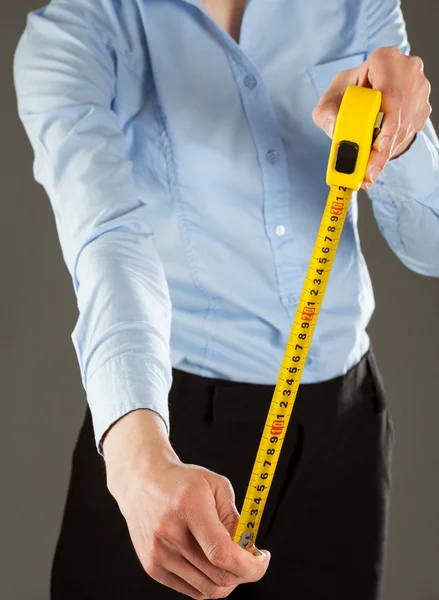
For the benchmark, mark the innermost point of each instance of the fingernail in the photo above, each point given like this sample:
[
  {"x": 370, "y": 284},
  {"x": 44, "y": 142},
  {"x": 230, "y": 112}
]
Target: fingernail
[
  {"x": 374, "y": 174},
  {"x": 329, "y": 127}
]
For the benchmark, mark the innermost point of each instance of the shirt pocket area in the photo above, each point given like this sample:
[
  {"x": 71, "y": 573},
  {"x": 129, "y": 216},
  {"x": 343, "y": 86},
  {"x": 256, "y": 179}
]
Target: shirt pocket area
[{"x": 322, "y": 74}]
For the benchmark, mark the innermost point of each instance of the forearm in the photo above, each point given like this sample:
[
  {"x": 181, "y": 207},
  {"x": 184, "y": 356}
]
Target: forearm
[{"x": 122, "y": 334}]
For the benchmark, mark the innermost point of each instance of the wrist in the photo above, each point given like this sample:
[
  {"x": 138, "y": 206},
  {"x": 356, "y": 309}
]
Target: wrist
[{"x": 137, "y": 441}]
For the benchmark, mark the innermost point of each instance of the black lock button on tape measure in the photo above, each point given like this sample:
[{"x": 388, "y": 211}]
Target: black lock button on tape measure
[{"x": 358, "y": 122}]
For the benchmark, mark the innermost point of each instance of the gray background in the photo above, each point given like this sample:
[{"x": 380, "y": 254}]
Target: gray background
[{"x": 42, "y": 399}]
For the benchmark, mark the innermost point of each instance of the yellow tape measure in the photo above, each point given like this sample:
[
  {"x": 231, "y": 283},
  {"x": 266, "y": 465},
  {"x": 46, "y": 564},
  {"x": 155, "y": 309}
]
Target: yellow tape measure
[{"x": 359, "y": 120}]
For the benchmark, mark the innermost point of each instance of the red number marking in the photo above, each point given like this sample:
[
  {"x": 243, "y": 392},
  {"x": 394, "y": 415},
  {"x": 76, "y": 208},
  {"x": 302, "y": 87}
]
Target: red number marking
[
  {"x": 336, "y": 208},
  {"x": 277, "y": 427},
  {"x": 308, "y": 313}
]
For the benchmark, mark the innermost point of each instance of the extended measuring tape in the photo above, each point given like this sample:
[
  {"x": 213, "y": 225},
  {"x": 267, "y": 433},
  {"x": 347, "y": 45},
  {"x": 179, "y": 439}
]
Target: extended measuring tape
[{"x": 359, "y": 121}]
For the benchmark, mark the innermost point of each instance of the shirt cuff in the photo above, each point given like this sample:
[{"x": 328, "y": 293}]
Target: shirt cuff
[
  {"x": 414, "y": 174},
  {"x": 125, "y": 383}
]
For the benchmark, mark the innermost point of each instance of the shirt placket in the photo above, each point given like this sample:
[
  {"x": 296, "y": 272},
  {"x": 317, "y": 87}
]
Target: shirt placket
[
  {"x": 261, "y": 117},
  {"x": 272, "y": 157}
]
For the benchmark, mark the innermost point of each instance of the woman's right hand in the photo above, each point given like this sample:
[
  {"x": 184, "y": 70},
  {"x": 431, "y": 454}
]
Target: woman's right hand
[{"x": 181, "y": 517}]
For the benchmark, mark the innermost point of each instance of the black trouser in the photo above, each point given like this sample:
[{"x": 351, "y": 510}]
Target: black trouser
[{"x": 326, "y": 515}]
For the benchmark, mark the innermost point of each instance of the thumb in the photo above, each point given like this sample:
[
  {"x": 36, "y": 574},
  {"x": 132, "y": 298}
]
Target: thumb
[{"x": 325, "y": 113}]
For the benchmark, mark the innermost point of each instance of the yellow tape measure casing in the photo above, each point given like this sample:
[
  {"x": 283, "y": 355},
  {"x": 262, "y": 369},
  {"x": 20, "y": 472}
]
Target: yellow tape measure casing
[{"x": 353, "y": 137}]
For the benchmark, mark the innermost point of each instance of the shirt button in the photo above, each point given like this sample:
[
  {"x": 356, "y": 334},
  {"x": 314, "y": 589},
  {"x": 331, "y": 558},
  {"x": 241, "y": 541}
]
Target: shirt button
[
  {"x": 272, "y": 156},
  {"x": 279, "y": 230},
  {"x": 290, "y": 298},
  {"x": 250, "y": 81}
]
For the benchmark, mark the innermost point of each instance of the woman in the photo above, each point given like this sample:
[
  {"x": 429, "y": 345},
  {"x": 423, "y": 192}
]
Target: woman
[{"x": 178, "y": 145}]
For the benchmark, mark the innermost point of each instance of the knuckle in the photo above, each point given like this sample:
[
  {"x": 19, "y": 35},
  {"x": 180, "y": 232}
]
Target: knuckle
[
  {"x": 184, "y": 501},
  {"x": 417, "y": 64},
  {"x": 426, "y": 89},
  {"x": 172, "y": 533},
  {"x": 224, "y": 578},
  {"x": 393, "y": 51},
  {"x": 213, "y": 592},
  {"x": 424, "y": 115},
  {"x": 158, "y": 528},
  {"x": 228, "y": 487},
  {"x": 162, "y": 529},
  {"x": 387, "y": 52},
  {"x": 218, "y": 555}
]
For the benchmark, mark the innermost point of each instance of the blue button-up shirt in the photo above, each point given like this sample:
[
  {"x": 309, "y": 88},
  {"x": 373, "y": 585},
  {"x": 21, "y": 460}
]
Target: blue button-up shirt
[{"x": 187, "y": 180}]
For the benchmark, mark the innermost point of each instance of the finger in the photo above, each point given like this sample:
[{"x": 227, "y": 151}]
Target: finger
[
  {"x": 326, "y": 111},
  {"x": 190, "y": 549},
  {"x": 376, "y": 164},
  {"x": 176, "y": 583},
  {"x": 184, "y": 569},
  {"x": 392, "y": 105},
  {"x": 220, "y": 549}
]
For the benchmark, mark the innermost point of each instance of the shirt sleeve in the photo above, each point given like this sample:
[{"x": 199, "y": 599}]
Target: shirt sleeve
[
  {"x": 405, "y": 198},
  {"x": 64, "y": 78}
]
